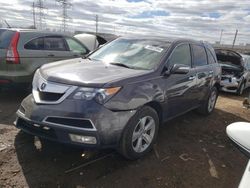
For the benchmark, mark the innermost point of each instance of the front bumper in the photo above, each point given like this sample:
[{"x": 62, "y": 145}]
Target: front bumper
[
  {"x": 230, "y": 85},
  {"x": 107, "y": 125}
]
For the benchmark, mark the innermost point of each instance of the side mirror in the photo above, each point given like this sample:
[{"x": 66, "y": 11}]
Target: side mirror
[
  {"x": 239, "y": 133},
  {"x": 179, "y": 69}
]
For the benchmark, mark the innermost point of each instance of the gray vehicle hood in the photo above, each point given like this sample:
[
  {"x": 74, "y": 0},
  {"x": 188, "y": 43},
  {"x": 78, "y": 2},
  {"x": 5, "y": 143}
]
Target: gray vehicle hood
[{"x": 84, "y": 72}]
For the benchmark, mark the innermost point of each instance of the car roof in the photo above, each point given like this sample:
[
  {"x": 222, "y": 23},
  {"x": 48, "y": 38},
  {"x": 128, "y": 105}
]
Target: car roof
[
  {"x": 33, "y": 31},
  {"x": 164, "y": 39}
]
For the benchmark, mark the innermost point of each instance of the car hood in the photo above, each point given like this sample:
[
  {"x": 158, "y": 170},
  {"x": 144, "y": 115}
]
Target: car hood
[
  {"x": 84, "y": 72},
  {"x": 231, "y": 67}
]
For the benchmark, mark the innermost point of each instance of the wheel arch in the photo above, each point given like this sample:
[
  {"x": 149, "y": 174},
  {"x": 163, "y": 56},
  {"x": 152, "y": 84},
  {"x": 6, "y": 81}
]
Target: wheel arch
[{"x": 158, "y": 108}]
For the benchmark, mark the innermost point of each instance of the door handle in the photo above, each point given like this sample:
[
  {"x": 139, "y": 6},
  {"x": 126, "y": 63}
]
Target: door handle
[
  {"x": 191, "y": 77},
  {"x": 75, "y": 55},
  {"x": 51, "y": 55}
]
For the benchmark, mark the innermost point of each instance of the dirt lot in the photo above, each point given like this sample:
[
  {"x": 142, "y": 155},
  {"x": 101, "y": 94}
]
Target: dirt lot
[{"x": 212, "y": 161}]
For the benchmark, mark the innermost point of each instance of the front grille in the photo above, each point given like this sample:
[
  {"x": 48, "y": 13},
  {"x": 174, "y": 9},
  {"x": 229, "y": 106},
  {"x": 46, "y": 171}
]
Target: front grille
[
  {"x": 47, "y": 96},
  {"x": 231, "y": 88},
  {"x": 72, "y": 122},
  {"x": 37, "y": 131}
]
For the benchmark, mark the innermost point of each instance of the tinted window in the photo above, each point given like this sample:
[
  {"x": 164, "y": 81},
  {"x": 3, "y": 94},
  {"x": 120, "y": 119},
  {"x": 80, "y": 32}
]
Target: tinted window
[
  {"x": 210, "y": 57},
  {"x": 35, "y": 44},
  {"x": 200, "y": 57},
  {"x": 5, "y": 38},
  {"x": 181, "y": 55},
  {"x": 75, "y": 46},
  {"x": 54, "y": 44}
]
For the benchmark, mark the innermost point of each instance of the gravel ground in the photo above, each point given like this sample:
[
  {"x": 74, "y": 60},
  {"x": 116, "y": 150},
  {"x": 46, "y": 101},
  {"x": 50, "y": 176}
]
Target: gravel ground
[{"x": 191, "y": 151}]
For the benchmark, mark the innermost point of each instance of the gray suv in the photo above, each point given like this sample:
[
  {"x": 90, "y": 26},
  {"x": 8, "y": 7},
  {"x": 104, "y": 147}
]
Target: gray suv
[
  {"x": 120, "y": 94},
  {"x": 22, "y": 52}
]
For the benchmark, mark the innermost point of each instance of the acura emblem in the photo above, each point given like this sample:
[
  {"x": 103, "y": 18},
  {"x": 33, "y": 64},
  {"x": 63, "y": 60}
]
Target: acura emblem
[{"x": 42, "y": 87}]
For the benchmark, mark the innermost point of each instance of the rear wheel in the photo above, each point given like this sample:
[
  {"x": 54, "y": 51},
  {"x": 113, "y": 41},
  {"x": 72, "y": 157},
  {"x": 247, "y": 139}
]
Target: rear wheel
[
  {"x": 140, "y": 133},
  {"x": 208, "y": 105}
]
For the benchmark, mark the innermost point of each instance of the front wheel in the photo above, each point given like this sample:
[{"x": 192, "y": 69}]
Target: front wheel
[
  {"x": 208, "y": 105},
  {"x": 140, "y": 133}
]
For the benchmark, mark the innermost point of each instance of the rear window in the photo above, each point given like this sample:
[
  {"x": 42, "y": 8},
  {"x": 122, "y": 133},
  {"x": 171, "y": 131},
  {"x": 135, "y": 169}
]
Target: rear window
[
  {"x": 5, "y": 38},
  {"x": 200, "y": 57},
  {"x": 35, "y": 44},
  {"x": 50, "y": 43},
  {"x": 54, "y": 44}
]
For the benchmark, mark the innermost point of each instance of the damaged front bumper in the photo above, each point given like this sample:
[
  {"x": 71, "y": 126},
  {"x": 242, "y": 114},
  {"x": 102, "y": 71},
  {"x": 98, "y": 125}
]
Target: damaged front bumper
[
  {"x": 230, "y": 84},
  {"x": 82, "y": 123}
]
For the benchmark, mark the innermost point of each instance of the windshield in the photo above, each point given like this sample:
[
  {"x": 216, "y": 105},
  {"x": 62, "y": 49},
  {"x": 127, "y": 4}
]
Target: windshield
[{"x": 132, "y": 53}]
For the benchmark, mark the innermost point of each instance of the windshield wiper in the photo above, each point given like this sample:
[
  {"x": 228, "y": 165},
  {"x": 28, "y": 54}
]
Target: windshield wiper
[{"x": 122, "y": 65}]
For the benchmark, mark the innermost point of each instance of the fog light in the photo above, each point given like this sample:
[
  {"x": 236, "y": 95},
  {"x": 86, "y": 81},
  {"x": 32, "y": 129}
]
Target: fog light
[{"x": 83, "y": 139}]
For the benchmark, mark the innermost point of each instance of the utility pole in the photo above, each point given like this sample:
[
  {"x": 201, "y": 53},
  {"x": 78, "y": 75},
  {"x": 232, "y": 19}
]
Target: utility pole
[
  {"x": 221, "y": 35},
  {"x": 65, "y": 6},
  {"x": 96, "y": 25},
  {"x": 41, "y": 7},
  {"x": 236, "y": 33},
  {"x": 34, "y": 15}
]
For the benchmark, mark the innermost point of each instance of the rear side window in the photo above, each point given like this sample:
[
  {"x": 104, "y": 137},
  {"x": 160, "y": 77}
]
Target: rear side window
[
  {"x": 199, "y": 55},
  {"x": 5, "y": 38},
  {"x": 54, "y": 44},
  {"x": 210, "y": 57},
  {"x": 35, "y": 44},
  {"x": 181, "y": 55}
]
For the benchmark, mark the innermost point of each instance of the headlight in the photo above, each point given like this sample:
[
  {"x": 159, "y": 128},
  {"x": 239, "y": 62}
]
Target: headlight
[{"x": 100, "y": 95}]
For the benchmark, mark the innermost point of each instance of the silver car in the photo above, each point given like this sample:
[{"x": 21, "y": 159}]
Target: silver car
[
  {"x": 23, "y": 51},
  {"x": 235, "y": 70}
]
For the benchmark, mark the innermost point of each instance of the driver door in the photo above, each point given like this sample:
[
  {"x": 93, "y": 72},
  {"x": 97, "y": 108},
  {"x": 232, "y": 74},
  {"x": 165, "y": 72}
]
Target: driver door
[{"x": 180, "y": 88}]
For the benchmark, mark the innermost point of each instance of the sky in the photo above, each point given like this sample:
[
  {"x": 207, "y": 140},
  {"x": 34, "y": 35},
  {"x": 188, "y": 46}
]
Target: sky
[{"x": 196, "y": 19}]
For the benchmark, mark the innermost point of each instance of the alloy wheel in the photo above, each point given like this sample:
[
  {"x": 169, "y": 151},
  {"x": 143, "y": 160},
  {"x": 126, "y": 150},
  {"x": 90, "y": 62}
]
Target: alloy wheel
[{"x": 143, "y": 134}]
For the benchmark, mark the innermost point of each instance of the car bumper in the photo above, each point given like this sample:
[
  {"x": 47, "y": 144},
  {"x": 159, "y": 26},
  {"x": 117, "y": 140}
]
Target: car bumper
[
  {"x": 107, "y": 125},
  {"x": 11, "y": 79},
  {"x": 228, "y": 85}
]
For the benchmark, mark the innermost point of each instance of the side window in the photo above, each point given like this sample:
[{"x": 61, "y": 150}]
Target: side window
[
  {"x": 181, "y": 55},
  {"x": 54, "y": 44},
  {"x": 199, "y": 54},
  {"x": 210, "y": 57},
  {"x": 35, "y": 44},
  {"x": 75, "y": 46}
]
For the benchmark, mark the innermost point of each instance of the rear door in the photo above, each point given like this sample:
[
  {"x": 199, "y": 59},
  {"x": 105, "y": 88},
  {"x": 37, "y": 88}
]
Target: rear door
[
  {"x": 180, "y": 87},
  {"x": 55, "y": 49},
  {"x": 204, "y": 71}
]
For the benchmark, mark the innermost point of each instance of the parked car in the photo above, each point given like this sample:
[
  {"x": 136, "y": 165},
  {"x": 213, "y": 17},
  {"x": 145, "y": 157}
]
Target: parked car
[
  {"x": 23, "y": 51},
  {"x": 120, "y": 94},
  {"x": 93, "y": 41},
  {"x": 235, "y": 70},
  {"x": 239, "y": 133}
]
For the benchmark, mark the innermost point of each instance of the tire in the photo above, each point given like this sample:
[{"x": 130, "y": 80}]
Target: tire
[
  {"x": 207, "y": 107},
  {"x": 136, "y": 129},
  {"x": 241, "y": 89}
]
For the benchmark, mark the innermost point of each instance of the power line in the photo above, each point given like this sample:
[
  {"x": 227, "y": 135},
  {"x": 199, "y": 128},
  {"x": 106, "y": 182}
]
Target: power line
[
  {"x": 41, "y": 7},
  {"x": 65, "y": 6}
]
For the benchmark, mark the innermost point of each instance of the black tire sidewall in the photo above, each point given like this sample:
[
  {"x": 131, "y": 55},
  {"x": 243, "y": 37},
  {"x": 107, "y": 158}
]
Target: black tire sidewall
[
  {"x": 126, "y": 141},
  {"x": 212, "y": 89}
]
